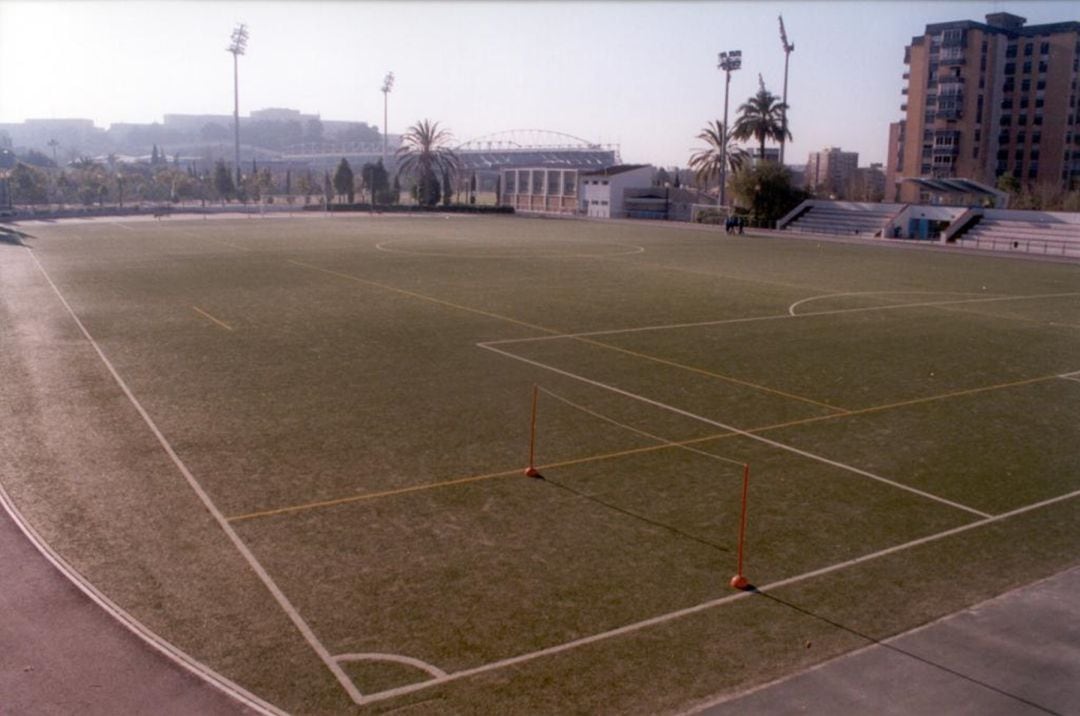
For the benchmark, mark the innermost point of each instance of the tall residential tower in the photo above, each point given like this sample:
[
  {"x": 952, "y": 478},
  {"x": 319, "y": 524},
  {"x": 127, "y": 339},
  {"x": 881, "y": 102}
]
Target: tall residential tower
[{"x": 989, "y": 99}]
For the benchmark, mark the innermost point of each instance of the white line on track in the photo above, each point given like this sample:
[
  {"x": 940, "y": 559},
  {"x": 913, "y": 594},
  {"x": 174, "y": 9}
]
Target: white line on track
[
  {"x": 738, "y": 431},
  {"x": 260, "y": 571}
]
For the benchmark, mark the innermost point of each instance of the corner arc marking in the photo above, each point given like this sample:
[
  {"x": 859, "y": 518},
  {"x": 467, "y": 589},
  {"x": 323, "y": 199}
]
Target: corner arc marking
[{"x": 395, "y": 658}]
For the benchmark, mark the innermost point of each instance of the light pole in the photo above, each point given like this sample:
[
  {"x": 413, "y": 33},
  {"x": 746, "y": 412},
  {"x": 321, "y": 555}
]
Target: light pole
[
  {"x": 788, "y": 49},
  {"x": 729, "y": 62},
  {"x": 387, "y": 85},
  {"x": 237, "y": 47}
]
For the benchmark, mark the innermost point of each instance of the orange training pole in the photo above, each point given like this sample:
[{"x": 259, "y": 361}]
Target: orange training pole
[
  {"x": 739, "y": 581},
  {"x": 531, "y": 471}
]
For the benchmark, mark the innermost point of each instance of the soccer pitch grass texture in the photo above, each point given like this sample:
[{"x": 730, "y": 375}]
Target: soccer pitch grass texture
[{"x": 294, "y": 448}]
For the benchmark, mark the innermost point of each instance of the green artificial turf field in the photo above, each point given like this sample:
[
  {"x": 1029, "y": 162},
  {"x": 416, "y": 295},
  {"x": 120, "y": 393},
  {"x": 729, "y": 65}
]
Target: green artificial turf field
[{"x": 294, "y": 448}]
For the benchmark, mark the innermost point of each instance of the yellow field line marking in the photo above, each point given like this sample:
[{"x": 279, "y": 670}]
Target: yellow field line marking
[
  {"x": 554, "y": 332},
  {"x": 302, "y": 507},
  {"x": 422, "y": 297},
  {"x": 630, "y": 428},
  {"x": 204, "y": 314},
  {"x": 710, "y": 374}
]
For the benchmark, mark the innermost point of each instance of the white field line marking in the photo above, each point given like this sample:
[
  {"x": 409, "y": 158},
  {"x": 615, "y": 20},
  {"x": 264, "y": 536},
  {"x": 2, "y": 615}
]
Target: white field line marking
[
  {"x": 738, "y": 431},
  {"x": 778, "y": 316},
  {"x": 479, "y": 254},
  {"x": 1075, "y": 375},
  {"x": 242, "y": 548},
  {"x": 624, "y": 426},
  {"x": 397, "y": 659},
  {"x": 122, "y": 226},
  {"x": 792, "y": 307},
  {"x": 678, "y": 614},
  {"x": 204, "y": 314}
]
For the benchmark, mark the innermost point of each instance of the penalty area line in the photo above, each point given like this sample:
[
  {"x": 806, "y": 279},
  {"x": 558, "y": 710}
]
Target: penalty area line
[{"x": 740, "y": 431}]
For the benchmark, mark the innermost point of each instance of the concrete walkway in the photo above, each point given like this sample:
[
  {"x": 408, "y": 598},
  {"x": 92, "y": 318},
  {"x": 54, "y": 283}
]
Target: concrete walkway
[
  {"x": 61, "y": 653},
  {"x": 1016, "y": 654}
]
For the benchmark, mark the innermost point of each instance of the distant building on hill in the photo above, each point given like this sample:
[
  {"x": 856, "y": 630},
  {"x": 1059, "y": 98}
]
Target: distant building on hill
[
  {"x": 987, "y": 100},
  {"x": 831, "y": 171}
]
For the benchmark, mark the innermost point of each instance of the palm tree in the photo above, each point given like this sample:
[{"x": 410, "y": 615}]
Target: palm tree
[
  {"x": 424, "y": 154},
  {"x": 708, "y": 163},
  {"x": 762, "y": 117}
]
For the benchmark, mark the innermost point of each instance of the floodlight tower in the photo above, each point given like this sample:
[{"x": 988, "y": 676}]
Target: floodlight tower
[
  {"x": 729, "y": 62},
  {"x": 237, "y": 47},
  {"x": 788, "y": 49},
  {"x": 387, "y": 85}
]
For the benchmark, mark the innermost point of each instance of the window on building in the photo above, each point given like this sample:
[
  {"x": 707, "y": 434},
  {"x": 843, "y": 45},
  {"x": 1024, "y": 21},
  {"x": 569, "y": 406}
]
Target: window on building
[
  {"x": 1038, "y": 119},
  {"x": 1044, "y": 48},
  {"x": 1022, "y": 120},
  {"x": 1010, "y": 68},
  {"x": 1025, "y": 85},
  {"x": 1006, "y": 120},
  {"x": 538, "y": 181},
  {"x": 569, "y": 183},
  {"x": 1028, "y": 49},
  {"x": 1043, "y": 67},
  {"x": 508, "y": 180},
  {"x": 553, "y": 183},
  {"x": 1010, "y": 50},
  {"x": 1007, "y": 103}
]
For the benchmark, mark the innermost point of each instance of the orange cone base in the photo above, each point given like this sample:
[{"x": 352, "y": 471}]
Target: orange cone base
[
  {"x": 531, "y": 471},
  {"x": 739, "y": 582}
]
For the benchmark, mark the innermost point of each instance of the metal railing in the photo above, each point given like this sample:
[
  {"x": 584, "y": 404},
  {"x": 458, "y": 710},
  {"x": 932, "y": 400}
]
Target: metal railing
[{"x": 1046, "y": 247}]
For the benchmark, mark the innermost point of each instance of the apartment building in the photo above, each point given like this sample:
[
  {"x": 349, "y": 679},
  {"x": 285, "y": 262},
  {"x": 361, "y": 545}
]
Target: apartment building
[
  {"x": 831, "y": 171},
  {"x": 985, "y": 100}
]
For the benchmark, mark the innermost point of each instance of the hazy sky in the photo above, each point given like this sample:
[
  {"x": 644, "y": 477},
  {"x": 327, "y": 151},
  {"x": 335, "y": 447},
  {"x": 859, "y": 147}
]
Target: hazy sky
[{"x": 638, "y": 74}]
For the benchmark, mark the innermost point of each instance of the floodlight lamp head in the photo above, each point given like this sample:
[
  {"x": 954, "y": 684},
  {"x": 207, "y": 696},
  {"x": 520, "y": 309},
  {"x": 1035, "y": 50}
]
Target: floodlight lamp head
[
  {"x": 239, "y": 40},
  {"x": 388, "y": 82},
  {"x": 731, "y": 60}
]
